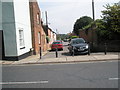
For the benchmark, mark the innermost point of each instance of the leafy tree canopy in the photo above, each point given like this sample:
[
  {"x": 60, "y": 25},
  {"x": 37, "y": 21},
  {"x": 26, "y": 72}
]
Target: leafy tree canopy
[
  {"x": 81, "y": 23},
  {"x": 112, "y": 17}
]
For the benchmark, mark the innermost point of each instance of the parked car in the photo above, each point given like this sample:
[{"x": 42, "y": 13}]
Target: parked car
[
  {"x": 57, "y": 44},
  {"x": 58, "y": 41},
  {"x": 78, "y": 46},
  {"x": 65, "y": 40}
]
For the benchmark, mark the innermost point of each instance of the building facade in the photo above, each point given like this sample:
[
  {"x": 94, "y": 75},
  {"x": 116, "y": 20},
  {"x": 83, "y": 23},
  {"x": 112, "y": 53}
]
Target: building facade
[
  {"x": 16, "y": 29},
  {"x": 22, "y": 32},
  {"x": 38, "y": 34},
  {"x": 1, "y": 31},
  {"x": 51, "y": 36}
]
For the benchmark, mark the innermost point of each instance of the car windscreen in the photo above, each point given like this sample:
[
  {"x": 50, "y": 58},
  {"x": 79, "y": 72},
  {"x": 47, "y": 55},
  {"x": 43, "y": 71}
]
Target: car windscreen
[
  {"x": 56, "y": 43},
  {"x": 78, "y": 41}
]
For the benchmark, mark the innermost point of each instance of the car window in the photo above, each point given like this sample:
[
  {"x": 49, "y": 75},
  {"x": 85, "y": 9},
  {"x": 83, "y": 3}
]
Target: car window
[
  {"x": 78, "y": 41},
  {"x": 56, "y": 43}
]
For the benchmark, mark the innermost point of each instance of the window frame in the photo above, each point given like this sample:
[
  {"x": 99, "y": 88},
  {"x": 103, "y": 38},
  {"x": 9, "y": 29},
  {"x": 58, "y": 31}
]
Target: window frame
[
  {"x": 38, "y": 18},
  {"x": 39, "y": 38},
  {"x": 21, "y": 39}
]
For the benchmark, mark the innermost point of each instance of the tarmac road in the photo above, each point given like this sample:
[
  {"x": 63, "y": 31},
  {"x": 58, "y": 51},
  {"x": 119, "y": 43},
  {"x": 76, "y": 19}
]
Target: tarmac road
[
  {"x": 52, "y": 54},
  {"x": 74, "y": 75}
]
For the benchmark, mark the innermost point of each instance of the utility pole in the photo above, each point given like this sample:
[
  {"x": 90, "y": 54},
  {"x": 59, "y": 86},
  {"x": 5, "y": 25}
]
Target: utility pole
[
  {"x": 57, "y": 34},
  {"x": 46, "y": 17},
  {"x": 46, "y": 23},
  {"x": 93, "y": 11},
  {"x": 57, "y": 31}
]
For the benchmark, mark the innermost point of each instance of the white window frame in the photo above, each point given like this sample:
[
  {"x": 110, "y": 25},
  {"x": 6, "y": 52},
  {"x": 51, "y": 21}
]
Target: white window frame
[
  {"x": 39, "y": 37},
  {"x": 38, "y": 18},
  {"x": 21, "y": 38}
]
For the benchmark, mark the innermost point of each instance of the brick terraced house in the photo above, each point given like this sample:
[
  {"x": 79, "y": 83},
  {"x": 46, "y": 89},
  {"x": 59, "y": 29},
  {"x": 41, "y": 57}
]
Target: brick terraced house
[{"x": 38, "y": 34}]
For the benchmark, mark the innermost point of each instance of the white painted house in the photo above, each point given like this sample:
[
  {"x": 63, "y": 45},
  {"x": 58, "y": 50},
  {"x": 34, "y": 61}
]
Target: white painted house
[
  {"x": 0, "y": 15},
  {"x": 16, "y": 29},
  {"x": 0, "y": 30}
]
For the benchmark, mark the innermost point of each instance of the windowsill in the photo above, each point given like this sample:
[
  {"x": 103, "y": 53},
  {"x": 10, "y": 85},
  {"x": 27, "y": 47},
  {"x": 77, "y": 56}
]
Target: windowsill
[{"x": 22, "y": 48}]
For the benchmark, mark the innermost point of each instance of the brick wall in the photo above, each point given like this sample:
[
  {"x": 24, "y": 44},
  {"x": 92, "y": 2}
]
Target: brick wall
[
  {"x": 89, "y": 35},
  {"x": 36, "y": 28}
]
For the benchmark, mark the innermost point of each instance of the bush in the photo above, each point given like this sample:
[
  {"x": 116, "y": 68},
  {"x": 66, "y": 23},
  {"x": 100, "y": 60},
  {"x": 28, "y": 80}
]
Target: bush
[{"x": 74, "y": 37}]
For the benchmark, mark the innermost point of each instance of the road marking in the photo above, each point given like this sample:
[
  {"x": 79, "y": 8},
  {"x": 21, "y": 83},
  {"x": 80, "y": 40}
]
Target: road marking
[
  {"x": 5, "y": 83},
  {"x": 114, "y": 78}
]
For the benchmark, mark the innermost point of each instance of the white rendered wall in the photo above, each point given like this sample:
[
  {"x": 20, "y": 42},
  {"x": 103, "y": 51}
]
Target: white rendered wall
[
  {"x": 8, "y": 26},
  {"x": 0, "y": 15},
  {"x": 22, "y": 21}
]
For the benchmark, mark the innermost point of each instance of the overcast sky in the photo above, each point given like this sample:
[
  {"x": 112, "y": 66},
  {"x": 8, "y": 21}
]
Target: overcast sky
[{"x": 62, "y": 14}]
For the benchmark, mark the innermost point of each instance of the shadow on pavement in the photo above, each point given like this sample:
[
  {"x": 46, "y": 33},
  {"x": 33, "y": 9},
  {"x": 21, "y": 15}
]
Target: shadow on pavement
[
  {"x": 54, "y": 50},
  {"x": 68, "y": 54}
]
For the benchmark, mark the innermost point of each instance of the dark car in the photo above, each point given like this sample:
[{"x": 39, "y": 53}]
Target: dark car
[{"x": 78, "y": 46}]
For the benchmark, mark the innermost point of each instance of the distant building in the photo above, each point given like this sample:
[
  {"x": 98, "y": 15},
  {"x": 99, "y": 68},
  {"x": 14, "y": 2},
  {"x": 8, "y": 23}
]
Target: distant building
[
  {"x": 52, "y": 35},
  {"x": 16, "y": 29}
]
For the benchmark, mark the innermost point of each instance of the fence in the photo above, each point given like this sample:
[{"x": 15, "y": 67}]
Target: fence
[{"x": 111, "y": 46}]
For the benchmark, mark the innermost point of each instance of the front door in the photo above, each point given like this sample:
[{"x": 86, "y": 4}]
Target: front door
[{"x": 1, "y": 45}]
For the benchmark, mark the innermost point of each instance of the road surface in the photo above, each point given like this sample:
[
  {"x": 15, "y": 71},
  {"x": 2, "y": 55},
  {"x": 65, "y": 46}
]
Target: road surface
[{"x": 71, "y": 75}]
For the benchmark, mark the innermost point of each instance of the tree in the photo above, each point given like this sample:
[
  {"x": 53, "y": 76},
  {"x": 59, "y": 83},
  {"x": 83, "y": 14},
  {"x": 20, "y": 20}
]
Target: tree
[
  {"x": 111, "y": 17},
  {"x": 102, "y": 32},
  {"x": 81, "y": 23}
]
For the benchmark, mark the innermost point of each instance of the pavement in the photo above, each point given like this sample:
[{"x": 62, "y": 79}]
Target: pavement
[{"x": 35, "y": 59}]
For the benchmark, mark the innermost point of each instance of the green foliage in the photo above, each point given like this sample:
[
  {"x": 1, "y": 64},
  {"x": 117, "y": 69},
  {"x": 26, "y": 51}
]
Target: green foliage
[
  {"x": 112, "y": 17},
  {"x": 62, "y": 36},
  {"x": 47, "y": 39},
  {"x": 58, "y": 37},
  {"x": 81, "y": 23},
  {"x": 74, "y": 37},
  {"x": 107, "y": 28}
]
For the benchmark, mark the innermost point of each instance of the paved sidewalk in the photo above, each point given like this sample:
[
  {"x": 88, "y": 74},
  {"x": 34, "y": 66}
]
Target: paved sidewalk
[{"x": 80, "y": 58}]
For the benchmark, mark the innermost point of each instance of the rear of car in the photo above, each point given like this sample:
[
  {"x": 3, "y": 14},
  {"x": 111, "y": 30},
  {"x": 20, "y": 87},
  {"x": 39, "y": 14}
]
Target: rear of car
[{"x": 57, "y": 44}]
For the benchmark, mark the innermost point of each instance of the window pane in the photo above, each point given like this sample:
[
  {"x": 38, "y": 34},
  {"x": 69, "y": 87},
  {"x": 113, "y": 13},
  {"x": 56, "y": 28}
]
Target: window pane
[
  {"x": 39, "y": 39},
  {"x": 21, "y": 38}
]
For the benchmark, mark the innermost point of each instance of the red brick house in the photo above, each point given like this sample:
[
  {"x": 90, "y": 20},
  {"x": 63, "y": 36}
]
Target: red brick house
[{"x": 38, "y": 34}]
